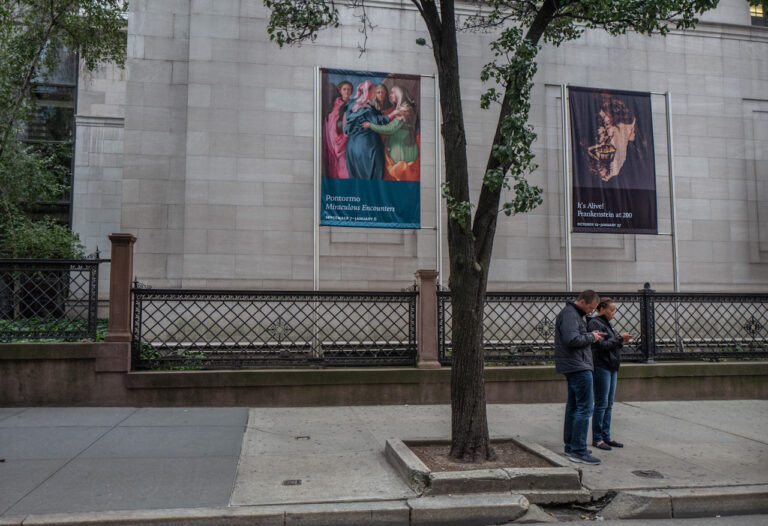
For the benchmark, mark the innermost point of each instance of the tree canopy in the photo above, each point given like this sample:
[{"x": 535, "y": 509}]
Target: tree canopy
[{"x": 33, "y": 35}]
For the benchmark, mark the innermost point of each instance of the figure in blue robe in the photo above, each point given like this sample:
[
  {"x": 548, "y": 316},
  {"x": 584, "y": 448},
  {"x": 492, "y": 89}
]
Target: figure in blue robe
[{"x": 365, "y": 149}]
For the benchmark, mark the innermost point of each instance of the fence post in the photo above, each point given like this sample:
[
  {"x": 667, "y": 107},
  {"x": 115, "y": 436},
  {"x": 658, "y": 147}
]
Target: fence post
[
  {"x": 121, "y": 271},
  {"x": 426, "y": 319},
  {"x": 648, "y": 323}
]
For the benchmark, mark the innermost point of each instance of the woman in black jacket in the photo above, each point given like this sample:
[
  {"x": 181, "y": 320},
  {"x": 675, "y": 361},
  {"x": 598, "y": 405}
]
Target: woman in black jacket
[{"x": 606, "y": 355}]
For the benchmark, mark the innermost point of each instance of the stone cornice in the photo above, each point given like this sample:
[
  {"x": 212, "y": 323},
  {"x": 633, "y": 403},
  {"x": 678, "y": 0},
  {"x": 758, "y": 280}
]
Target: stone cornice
[{"x": 99, "y": 122}]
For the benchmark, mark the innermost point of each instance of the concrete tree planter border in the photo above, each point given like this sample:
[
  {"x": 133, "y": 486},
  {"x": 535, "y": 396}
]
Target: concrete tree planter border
[{"x": 558, "y": 484}]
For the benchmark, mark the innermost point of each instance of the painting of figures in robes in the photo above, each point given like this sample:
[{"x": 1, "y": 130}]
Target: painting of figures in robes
[{"x": 371, "y": 146}]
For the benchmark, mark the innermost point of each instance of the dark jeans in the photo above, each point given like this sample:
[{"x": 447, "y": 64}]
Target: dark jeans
[
  {"x": 577, "y": 412},
  {"x": 605, "y": 389}
]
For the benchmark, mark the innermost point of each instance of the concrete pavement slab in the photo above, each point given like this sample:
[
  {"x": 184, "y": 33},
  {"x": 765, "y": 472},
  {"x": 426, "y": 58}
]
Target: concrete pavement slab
[
  {"x": 746, "y": 462},
  {"x": 325, "y": 477},
  {"x": 296, "y": 419},
  {"x": 744, "y": 418},
  {"x": 68, "y": 417},
  {"x": 19, "y": 477},
  {"x": 322, "y": 438},
  {"x": 405, "y": 422},
  {"x": 167, "y": 442},
  {"x": 616, "y": 470},
  {"x": 41, "y": 443},
  {"x": 7, "y": 412},
  {"x": 188, "y": 416},
  {"x": 101, "y": 484}
]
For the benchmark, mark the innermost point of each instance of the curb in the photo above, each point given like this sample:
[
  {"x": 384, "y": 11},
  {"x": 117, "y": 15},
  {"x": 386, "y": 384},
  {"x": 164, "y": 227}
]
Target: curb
[
  {"x": 688, "y": 502},
  {"x": 466, "y": 510}
]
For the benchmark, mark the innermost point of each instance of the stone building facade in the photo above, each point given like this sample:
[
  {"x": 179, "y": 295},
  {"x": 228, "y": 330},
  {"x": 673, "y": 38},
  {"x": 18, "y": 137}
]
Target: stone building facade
[{"x": 203, "y": 148}]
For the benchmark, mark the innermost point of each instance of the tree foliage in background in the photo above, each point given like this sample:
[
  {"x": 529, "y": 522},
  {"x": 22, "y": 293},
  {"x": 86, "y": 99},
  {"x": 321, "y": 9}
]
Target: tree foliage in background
[
  {"x": 520, "y": 28},
  {"x": 33, "y": 33}
]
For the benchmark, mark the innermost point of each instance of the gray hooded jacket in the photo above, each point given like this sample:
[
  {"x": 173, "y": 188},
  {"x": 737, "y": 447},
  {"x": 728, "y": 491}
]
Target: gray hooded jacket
[{"x": 573, "y": 343}]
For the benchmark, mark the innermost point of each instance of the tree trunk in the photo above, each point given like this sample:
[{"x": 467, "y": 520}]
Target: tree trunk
[
  {"x": 469, "y": 424},
  {"x": 470, "y": 440}
]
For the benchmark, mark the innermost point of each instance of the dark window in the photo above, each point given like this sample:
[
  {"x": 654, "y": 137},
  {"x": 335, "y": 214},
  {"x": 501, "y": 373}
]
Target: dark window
[
  {"x": 51, "y": 128},
  {"x": 758, "y": 15}
]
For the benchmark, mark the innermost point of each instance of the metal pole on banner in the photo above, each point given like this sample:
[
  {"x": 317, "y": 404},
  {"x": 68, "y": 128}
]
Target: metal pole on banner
[
  {"x": 438, "y": 181},
  {"x": 673, "y": 218},
  {"x": 566, "y": 187},
  {"x": 672, "y": 205},
  {"x": 317, "y": 152}
]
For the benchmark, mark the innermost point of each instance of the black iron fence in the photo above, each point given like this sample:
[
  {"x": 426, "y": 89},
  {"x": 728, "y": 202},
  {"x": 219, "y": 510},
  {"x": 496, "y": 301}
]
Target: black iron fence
[
  {"x": 204, "y": 329},
  {"x": 519, "y": 327},
  {"x": 701, "y": 326},
  {"x": 48, "y": 299}
]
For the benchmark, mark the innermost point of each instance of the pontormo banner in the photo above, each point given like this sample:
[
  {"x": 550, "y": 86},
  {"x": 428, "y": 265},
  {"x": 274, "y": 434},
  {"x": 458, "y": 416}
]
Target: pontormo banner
[
  {"x": 614, "y": 174},
  {"x": 371, "y": 149}
]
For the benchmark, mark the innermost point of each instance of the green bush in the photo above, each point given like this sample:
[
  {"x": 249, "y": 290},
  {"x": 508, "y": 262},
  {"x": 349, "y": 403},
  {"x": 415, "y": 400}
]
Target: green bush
[{"x": 42, "y": 239}]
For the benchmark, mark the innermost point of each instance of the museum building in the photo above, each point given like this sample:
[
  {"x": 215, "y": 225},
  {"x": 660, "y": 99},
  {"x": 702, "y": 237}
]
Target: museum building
[{"x": 208, "y": 147}]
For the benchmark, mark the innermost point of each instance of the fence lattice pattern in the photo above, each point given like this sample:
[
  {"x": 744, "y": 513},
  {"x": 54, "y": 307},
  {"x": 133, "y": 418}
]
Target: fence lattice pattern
[
  {"x": 696, "y": 326},
  {"x": 519, "y": 328},
  {"x": 229, "y": 329},
  {"x": 48, "y": 299}
]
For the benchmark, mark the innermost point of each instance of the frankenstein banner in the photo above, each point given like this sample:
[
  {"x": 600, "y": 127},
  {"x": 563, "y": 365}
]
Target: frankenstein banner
[
  {"x": 614, "y": 175},
  {"x": 371, "y": 149}
]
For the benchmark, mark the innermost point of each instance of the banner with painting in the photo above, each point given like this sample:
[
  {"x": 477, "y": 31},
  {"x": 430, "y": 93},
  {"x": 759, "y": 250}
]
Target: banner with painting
[
  {"x": 614, "y": 173},
  {"x": 371, "y": 149}
]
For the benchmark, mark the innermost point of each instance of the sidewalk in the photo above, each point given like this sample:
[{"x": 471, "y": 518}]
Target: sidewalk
[{"x": 76, "y": 460}]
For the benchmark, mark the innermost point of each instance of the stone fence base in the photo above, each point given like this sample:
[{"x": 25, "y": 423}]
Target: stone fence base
[{"x": 97, "y": 374}]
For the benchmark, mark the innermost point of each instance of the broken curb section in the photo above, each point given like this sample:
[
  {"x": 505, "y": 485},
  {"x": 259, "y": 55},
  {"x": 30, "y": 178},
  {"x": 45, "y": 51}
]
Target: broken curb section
[{"x": 688, "y": 502}]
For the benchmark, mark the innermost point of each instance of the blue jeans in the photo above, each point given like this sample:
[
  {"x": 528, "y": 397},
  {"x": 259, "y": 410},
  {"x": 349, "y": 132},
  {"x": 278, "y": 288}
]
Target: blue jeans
[
  {"x": 605, "y": 389},
  {"x": 577, "y": 412}
]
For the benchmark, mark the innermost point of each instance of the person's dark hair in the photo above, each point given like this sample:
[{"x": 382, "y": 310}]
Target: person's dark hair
[
  {"x": 588, "y": 296},
  {"x": 604, "y": 302}
]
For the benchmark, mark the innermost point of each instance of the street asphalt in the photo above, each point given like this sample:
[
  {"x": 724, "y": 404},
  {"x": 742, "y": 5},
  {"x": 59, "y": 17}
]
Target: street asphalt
[{"x": 237, "y": 460}]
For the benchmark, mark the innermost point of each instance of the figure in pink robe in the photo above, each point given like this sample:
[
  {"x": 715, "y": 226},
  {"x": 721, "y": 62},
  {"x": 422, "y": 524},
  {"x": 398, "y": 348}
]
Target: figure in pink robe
[{"x": 334, "y": 138}]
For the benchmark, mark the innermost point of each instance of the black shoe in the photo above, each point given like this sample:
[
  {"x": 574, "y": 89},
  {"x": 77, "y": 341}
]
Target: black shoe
[
  {"x": 613, "y": 443},
  {"x": 602, "y": 445}
]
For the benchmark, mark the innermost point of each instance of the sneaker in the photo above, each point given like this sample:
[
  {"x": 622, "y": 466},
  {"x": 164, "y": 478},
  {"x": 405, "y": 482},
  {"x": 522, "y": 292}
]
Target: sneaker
[
  {"x": 602, "y": 445},
  {"x": 568, "y": 451},
  {"x": 584, "y": 459},
  {"x": 613, "y": 443}
]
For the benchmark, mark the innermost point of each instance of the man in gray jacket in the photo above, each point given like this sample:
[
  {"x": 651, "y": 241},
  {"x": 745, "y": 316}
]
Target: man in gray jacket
[{"x": 573, "y": 358}]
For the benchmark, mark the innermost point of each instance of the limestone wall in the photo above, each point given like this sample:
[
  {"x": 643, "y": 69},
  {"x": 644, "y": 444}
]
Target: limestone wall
[{"x": 217, "y": 168}]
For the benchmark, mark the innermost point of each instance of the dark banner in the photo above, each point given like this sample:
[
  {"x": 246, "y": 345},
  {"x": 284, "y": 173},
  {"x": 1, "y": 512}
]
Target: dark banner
[
  {"x": 371, "y": 149},
  {"x": 614, "y": 174}
]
